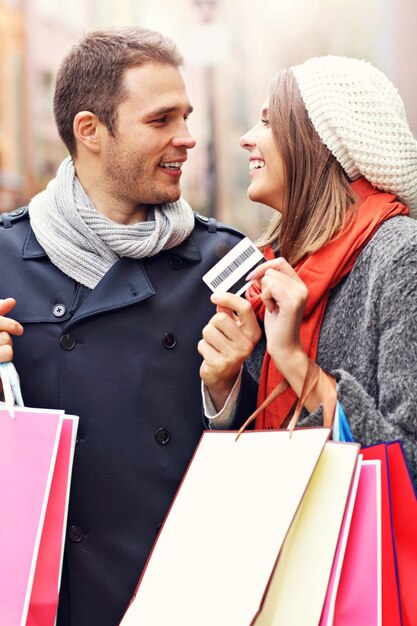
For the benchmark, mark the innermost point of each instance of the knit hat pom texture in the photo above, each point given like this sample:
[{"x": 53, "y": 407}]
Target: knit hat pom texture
[{"x": 360, "y": 117}]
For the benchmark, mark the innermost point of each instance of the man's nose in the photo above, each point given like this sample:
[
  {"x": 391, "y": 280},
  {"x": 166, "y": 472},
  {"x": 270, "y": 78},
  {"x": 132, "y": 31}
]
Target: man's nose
[{"x": 184, "y": 140}]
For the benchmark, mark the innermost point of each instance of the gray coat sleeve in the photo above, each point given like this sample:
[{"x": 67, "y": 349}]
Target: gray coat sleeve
[{"x": 375, "y": 363}]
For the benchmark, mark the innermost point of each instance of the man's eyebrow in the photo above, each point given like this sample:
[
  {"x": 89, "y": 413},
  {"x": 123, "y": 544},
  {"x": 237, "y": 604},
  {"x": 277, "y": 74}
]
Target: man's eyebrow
[{"x": 167, "y": 110}]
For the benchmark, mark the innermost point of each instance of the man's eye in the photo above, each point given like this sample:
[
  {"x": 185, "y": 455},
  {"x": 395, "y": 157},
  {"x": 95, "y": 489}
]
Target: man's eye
[{"x": 160, "y": 120}]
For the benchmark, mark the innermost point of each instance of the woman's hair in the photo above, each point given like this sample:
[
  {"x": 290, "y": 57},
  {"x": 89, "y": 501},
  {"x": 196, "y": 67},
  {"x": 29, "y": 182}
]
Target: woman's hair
[{"x": 318, "y": 200}]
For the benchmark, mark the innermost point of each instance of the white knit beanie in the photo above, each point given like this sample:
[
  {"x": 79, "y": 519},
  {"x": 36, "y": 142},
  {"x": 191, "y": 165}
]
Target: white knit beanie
[{"x": 360, "y": 117}]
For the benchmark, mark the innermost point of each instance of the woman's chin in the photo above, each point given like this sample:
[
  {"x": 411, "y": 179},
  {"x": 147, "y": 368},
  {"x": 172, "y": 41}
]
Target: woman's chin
[
  {"x": 254, "y": 195},
  {"x": 260, "y": 198}
]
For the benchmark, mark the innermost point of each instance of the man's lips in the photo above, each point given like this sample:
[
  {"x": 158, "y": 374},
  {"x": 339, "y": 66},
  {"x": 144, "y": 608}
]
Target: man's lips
[{"x": 172, "y": 168}]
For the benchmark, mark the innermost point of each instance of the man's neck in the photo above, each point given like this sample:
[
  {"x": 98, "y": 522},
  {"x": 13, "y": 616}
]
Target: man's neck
[{"x": 111, "y": 207}]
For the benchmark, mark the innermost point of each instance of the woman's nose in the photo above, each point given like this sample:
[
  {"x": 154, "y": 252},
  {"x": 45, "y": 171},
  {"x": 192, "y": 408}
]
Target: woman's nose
[{"x": 247, "y": 141}]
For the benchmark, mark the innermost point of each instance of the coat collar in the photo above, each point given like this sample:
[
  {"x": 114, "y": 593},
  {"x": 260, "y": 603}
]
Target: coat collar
[
  {"x": 125, "y": 283},
  {"x": 187, "y": 250},
  {"x": 32, "y": 249}
]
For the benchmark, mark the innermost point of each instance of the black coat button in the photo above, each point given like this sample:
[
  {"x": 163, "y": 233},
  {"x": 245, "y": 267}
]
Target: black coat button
[
  {"x": 169, "y": 341},
  {"x": 59, "y": 310},
  {"x": 162, "y": 436},
  {"x": 67, "y": 342},
  {"x": 175, "y": 262},
  {"x": 75, "y": 534}
]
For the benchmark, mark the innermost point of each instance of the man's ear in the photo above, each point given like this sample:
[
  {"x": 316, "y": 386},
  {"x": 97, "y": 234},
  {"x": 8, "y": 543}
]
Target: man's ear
[{"x": 86, "y": 130}]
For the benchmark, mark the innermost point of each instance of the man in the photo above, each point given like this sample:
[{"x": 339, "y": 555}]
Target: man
[{"x": 106, "y": 275}]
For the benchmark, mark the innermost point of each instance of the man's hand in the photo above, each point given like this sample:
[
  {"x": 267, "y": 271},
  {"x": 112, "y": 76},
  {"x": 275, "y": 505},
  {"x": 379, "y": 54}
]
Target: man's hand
[
  {"x": 228, "y": 339},
  {"x": 8, "y": 327}
]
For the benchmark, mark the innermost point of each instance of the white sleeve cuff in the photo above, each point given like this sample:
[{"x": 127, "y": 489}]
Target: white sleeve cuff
[{"x": 224, "y": 418}]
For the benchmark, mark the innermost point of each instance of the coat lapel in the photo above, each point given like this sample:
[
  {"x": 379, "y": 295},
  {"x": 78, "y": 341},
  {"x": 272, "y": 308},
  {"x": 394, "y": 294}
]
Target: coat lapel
[{"x": 125, "y": 283}]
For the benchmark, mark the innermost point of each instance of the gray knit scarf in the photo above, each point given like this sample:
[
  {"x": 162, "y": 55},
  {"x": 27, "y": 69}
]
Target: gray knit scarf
[{"x": 84, "y": 244}]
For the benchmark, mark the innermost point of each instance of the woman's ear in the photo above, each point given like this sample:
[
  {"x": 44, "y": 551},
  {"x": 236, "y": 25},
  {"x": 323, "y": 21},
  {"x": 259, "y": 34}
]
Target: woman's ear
[{"x": 86, "y": 130}]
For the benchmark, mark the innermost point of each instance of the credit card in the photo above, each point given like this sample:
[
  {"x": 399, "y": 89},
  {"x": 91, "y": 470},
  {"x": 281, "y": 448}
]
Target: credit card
[{"x": 230, "y": 272}]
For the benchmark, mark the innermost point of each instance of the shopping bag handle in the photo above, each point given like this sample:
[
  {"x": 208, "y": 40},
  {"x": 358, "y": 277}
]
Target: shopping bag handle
[
  {"x": 11, "y": 387},
  {"x": 313, "y": 376}
]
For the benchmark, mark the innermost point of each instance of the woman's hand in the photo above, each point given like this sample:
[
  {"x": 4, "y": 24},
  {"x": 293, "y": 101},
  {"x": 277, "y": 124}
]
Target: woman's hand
[
  {"x": 228, "y": 339},
  {"x": 284, "y": 295}
]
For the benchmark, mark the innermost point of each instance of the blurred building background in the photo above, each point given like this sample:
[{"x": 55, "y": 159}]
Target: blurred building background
[{"x": 232, "y": 49}]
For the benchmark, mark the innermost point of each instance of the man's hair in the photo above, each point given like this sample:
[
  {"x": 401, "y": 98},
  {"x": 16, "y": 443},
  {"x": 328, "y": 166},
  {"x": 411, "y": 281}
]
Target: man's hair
[
  {"x": 91, "y": 75},
  {"x": 318, "y": 199}
]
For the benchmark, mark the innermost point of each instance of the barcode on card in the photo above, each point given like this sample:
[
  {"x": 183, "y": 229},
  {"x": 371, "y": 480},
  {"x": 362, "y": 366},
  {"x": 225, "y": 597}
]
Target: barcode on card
[{"x": 230, "y": 272}]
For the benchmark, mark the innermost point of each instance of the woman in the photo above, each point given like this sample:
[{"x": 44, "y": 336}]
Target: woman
[{"x": 334, "y": 156}]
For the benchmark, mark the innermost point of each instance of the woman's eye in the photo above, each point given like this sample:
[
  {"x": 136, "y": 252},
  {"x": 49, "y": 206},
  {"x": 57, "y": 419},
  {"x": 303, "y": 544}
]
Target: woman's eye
[{"x": 265, "y": 122}]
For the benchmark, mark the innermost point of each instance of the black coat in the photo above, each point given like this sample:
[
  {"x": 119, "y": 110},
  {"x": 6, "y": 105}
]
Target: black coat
[{"x": 123, "y": 357}]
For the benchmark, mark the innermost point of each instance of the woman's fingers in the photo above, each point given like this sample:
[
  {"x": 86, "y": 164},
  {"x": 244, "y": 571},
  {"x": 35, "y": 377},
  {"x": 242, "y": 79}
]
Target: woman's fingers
[
  {"x": 281, "y": 290},
  {"x": 279, "y": 265}
]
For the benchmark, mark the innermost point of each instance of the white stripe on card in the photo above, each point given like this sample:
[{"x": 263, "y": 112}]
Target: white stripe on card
[{"x": 228, "y": 274}]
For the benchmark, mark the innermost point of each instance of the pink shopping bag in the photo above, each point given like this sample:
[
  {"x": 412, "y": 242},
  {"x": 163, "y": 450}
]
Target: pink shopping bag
[
  {"x": 359, "y": 593},
  {"x": 36, "y": 450},
  {"x": 45, "y": 590}
]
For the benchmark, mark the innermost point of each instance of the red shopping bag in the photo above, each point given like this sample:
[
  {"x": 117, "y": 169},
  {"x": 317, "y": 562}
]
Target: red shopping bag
[{"x": 404, "y": 515}]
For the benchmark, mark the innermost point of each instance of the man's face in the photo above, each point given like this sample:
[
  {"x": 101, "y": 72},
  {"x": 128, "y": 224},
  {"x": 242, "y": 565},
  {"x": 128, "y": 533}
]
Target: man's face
[{"x": 142, "y": 163}]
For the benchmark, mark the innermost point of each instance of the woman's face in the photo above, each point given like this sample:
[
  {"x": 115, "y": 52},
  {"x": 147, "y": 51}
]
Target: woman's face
[{"x": 266, "y": 167}]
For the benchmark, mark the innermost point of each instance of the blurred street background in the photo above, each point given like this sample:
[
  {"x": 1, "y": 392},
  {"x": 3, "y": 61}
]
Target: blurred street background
[{"x": 232, "y": 49}]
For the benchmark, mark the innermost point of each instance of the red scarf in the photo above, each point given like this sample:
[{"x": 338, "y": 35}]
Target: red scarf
[{"x": 321, "y": 272}]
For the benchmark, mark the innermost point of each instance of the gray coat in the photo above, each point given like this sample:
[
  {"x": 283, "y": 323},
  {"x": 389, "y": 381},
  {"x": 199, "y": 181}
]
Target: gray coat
[
  {"x": 368, "y": 340},
  {"x": 123, "y": 357}
]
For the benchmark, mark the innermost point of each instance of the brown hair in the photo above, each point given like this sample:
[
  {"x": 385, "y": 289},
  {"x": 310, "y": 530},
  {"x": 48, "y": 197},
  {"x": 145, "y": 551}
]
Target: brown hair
[
  {"x": 318, "y": 200},
  {"x": 91, "y": 76}
]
